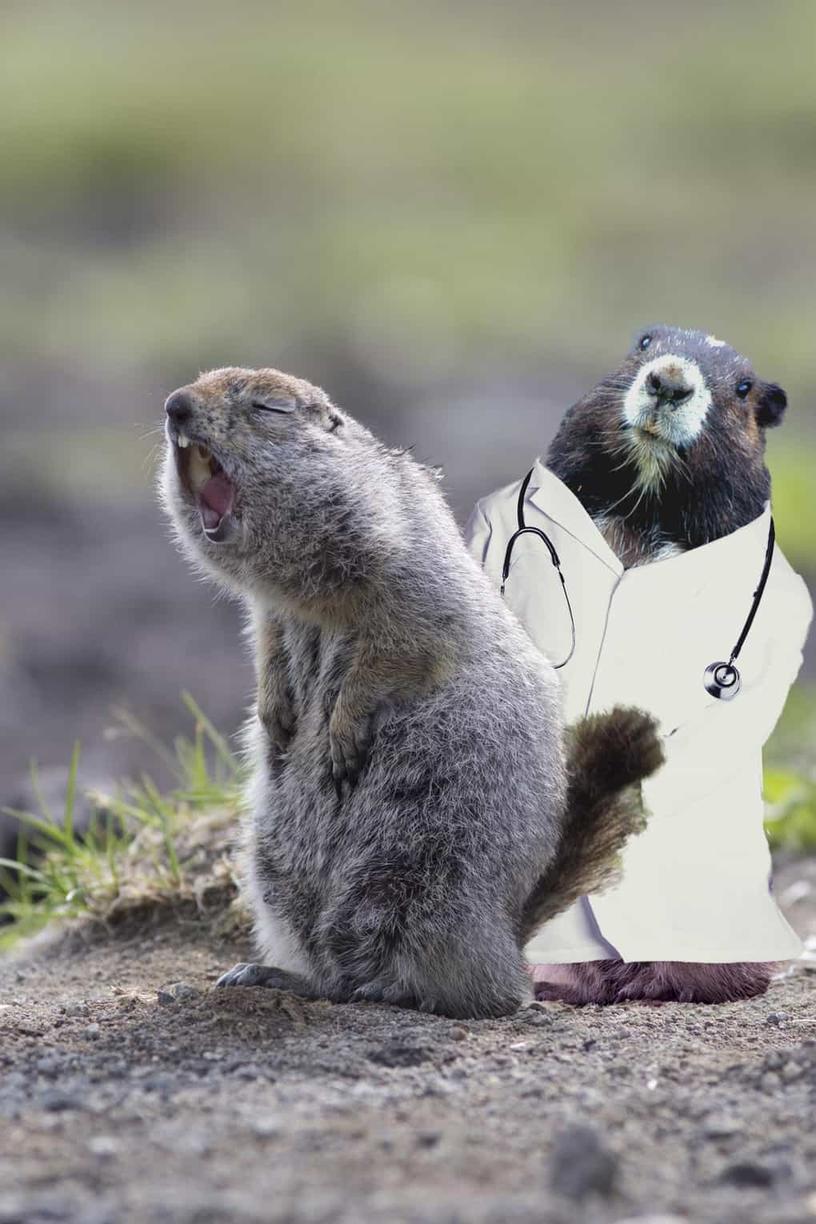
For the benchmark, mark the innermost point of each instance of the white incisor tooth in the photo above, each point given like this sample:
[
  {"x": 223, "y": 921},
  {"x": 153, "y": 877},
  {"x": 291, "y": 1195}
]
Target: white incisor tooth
[
  {"x": 199, "y": 468},
  {"x": 183, "y": 440}
]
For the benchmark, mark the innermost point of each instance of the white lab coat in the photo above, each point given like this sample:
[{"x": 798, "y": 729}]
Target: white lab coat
[{"x": 695, "y": 884}]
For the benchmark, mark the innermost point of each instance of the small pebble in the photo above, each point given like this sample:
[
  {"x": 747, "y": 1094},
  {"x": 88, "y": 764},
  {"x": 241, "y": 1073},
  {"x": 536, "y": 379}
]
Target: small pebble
[
  {"x": 92, "y": 1032},
  {"x": 747, "y": 1173},
  {"x": 168, "y": 995},
  {"x": 398, "y": 1054},
  {"x": 459, "y": 1034},
  {"x": 73, "y": 1008},
  {"x": 538, "y": 1020},
  {"x": 103, "y": 1146},
  {"x": 781, "y": 1017},
  {"x": 721, "y": 1127},
  {"x": 655, "y": 1219},
  {"x": 49, "y": 1064},
  {"x": 580, "y": 1165},
  {"x": 57, "y": 1101},
  {"x": 245, "y": 1071}
]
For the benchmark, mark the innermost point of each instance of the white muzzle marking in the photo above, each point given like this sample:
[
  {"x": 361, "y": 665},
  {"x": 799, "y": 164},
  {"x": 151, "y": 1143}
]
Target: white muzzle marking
[{"x": 676, "y": 424}]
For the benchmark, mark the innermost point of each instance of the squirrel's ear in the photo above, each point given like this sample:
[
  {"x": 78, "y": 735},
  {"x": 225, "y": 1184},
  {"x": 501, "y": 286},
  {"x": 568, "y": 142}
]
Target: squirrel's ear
[{"x": 771, "y": 404}]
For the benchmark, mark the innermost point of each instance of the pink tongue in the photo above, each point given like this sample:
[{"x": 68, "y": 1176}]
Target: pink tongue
[{"x": 215, "y": 499}]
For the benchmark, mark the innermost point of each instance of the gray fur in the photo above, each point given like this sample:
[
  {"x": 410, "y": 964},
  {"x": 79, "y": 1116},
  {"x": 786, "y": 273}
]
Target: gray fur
[{"x": 409, "y": 782}]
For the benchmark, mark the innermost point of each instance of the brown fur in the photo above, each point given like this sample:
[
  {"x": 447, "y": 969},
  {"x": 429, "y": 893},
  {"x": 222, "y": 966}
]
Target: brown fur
[
  {"x": 707, "y": 488},
  {"x": 656, "y": 981},
  {"x": 608, "y": 755}
]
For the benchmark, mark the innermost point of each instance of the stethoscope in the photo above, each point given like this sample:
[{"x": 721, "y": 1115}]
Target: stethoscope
[{"x": 722, "y": 679}]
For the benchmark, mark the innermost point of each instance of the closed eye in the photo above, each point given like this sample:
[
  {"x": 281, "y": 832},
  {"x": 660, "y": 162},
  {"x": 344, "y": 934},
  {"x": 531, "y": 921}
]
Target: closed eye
[{"x": 274, "y": 405}]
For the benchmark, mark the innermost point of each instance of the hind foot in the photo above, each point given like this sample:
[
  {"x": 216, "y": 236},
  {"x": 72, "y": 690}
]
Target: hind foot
[
  {"x": 390, "y": 994},
  {"x": 562, "y": 984},
  {"x": 249, "y": 974},
  {"x": 650, "y": 982},
  {"x": 691, "y": 982}
]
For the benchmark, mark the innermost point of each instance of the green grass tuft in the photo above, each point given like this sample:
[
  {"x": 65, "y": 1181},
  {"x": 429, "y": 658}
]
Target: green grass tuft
[
  {"x": 790, "y": 776},
  {"x": 791, "y": 819},
  {"x": 142, "y": 849}
]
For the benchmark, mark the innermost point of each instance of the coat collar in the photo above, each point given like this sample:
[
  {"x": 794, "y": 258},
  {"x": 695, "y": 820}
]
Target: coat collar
[{"x": 561, "y": 506}]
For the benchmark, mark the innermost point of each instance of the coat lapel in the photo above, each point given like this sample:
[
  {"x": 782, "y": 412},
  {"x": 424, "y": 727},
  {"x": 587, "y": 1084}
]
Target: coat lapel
[
  {"x": 559, "y": 504},
  {"x": 734, "y": 560}
]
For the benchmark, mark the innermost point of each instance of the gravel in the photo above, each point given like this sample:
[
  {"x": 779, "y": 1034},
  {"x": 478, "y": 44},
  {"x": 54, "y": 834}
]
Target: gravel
[{"x": 132, "y": 1090}]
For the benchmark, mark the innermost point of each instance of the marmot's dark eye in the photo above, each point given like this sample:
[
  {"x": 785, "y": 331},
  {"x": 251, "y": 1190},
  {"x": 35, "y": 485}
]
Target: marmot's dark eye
[
  {"x": 744, "y": 387},
  {"x": 645, "y": 341}
]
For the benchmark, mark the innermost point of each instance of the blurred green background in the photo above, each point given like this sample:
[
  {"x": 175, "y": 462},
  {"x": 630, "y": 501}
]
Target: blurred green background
[{"x": 454, "y": 215}]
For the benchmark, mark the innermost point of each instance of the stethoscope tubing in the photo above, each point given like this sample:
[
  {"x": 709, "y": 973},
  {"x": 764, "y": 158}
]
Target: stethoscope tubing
[{"x": 721, "y": 679}]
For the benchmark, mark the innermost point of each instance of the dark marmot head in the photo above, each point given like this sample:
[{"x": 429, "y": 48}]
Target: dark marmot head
[{"x": 674, "y": 439}]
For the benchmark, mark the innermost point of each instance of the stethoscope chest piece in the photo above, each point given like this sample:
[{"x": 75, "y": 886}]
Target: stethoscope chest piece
[{"x": 722, "y": 680}]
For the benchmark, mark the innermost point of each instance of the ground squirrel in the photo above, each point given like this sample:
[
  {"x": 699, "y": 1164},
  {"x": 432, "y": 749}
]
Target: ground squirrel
[{"x": 414, "y": 814}]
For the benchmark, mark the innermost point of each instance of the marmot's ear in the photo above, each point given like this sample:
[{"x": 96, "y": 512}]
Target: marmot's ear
[{"x": 771, "y": 404}]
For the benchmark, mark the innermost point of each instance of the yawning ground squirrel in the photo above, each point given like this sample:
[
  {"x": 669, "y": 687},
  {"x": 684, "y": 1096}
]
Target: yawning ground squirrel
[{"x": 412, "y": 814}]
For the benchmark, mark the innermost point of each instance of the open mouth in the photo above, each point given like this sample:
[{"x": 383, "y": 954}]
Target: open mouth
[{"x": 205, "y": 480}]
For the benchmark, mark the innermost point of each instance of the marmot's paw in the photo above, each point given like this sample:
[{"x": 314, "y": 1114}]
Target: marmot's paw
[{"x": 349, "y": 742}]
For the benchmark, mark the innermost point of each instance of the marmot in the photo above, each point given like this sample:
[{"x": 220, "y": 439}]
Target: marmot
[
  {"x": 657, "y": 471},
  {"x": 413, "y": 814},
  {"x": 664, "y": 457}
]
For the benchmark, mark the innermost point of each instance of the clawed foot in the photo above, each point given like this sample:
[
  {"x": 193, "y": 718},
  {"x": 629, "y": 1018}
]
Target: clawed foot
[
  {"x": 349, "y": 742},
  {"x": 552, "y": 992},
  {"x": 279, "y": 721},
  {"x": 249, "y": 974}
]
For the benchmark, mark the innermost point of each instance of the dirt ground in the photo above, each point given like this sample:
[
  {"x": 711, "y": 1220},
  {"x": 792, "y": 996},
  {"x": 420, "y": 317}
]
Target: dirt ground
[{"x": 121, "y": 1104}]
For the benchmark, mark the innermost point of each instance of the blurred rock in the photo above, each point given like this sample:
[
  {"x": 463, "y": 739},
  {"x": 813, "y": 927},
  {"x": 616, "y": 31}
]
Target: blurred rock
[{"x": 581, "y": 1164}]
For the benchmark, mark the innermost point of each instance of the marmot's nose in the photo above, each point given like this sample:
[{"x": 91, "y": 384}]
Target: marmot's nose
[
  {"x": 179, "y": 406},
  {"x": 668, "y": 385}
]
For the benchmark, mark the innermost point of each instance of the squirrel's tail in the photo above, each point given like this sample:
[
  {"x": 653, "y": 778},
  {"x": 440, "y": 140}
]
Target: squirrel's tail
[{"x": 607, "y": 756}]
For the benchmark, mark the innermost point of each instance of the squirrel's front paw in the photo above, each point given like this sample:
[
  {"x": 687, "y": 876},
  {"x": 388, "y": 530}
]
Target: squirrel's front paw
[
  {"x": 349, "y": 740},
  {"x": 279, "y": 720}
]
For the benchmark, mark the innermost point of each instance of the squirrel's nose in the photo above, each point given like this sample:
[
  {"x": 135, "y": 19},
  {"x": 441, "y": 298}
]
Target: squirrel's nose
[
  {"x": 179, "y": 406},
  {"x": 668, "y": 385}
]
